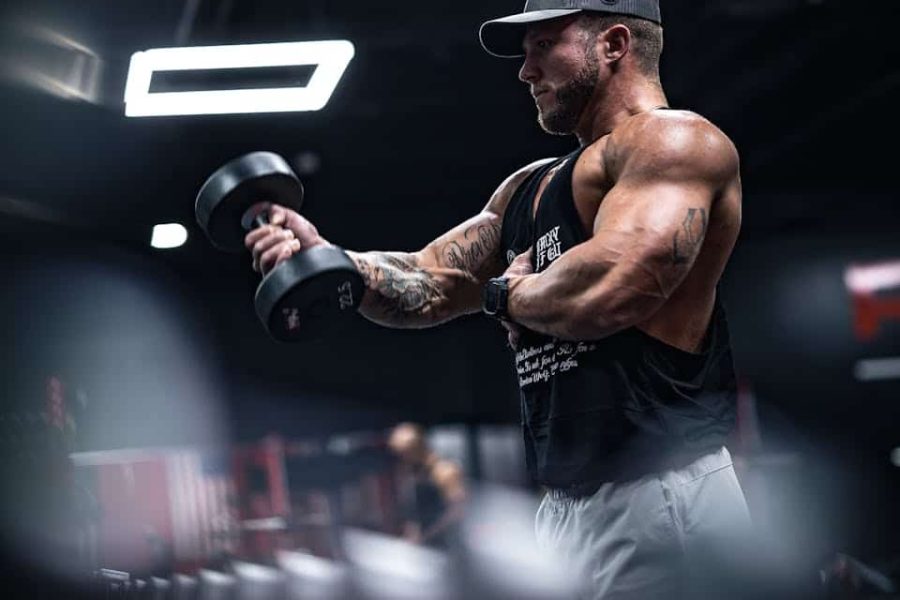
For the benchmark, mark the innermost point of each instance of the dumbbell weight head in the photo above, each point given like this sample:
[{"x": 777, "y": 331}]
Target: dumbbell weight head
[
  {"x": 307, "y": 296},
  {"x": 233, "y": 196}
]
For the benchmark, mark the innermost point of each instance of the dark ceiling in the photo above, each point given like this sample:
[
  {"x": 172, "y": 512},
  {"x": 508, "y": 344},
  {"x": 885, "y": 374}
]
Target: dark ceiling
[
  {"x": 805, "y": 88},
  {"x": 421, "y": 129}
]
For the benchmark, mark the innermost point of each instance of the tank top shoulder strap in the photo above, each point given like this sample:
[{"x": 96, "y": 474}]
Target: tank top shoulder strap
[
  {"x": 518, "y": 224},
  {"x": 566, "y": 200}
]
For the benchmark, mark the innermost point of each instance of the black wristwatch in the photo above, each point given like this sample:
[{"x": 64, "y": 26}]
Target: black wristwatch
[{"x": 496, "y": 294}]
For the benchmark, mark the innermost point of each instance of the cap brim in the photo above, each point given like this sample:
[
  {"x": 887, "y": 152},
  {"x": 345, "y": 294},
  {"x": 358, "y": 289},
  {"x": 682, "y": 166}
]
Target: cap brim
[{"x": 503, "y": 37}]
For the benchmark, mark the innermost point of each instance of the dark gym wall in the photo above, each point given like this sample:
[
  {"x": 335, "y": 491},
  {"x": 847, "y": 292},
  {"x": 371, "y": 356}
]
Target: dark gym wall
[{"x": 124, "y": 335}]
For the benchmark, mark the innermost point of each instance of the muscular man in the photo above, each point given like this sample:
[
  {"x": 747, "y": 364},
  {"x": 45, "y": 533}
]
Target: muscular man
[
  {"x": 433, "y": 503},
  {"x": 609, "y": 260}
]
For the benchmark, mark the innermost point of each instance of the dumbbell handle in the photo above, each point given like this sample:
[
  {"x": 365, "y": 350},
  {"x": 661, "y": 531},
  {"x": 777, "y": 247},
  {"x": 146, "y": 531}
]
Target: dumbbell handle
[{"x": 261, "y": 220}]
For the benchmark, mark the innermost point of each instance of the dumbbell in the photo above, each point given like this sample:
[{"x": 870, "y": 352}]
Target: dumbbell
[{"x": 304, "y": 297}]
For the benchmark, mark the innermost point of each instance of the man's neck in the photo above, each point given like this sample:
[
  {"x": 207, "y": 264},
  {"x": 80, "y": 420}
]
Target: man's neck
[{"x": 616, "y": 105}]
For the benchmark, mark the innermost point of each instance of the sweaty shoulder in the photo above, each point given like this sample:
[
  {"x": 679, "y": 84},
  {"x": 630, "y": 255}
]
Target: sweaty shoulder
[
  {"x": 504, "y": 193},
  {"x": 671, "y": 144}
]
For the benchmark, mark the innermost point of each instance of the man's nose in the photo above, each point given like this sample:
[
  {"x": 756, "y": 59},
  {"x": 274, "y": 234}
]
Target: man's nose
[{"x": 529, "y": 72}]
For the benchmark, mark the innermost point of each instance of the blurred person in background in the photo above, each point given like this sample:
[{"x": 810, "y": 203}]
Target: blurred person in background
[{"x": 432, "y": 489}]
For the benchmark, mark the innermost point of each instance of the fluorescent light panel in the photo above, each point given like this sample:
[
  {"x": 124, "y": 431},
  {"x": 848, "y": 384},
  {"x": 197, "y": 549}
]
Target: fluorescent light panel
[{"x": 330, "y": 57}]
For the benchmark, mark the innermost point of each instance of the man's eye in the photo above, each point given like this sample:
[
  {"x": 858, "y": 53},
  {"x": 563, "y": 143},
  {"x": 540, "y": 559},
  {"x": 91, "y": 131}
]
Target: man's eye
[{"x": 544, "y": 44}]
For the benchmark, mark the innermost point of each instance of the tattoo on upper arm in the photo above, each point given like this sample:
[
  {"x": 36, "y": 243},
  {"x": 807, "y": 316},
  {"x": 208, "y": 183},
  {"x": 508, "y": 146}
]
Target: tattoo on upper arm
[
  {"x": 686, "y": 241},
  {"x": 468, "y": 254}
]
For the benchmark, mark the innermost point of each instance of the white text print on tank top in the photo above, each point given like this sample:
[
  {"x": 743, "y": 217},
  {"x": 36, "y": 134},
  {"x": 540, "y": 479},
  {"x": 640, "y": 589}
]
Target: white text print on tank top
[{"x": 540, "y": 363}]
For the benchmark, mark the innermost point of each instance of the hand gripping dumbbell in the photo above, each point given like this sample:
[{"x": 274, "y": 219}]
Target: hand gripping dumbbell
[{"x": 303, "y": 297}]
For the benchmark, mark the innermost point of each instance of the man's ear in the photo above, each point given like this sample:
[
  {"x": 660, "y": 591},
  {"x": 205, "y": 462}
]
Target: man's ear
[{"x": 614, "y": 43}]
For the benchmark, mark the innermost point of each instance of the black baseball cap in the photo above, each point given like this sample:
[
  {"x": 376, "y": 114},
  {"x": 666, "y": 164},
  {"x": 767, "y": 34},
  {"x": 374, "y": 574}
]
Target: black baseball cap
[{"x": 503, "y": 37}]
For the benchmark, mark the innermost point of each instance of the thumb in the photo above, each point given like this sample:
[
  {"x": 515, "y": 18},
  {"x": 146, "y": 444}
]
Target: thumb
[
  {"x": 305, "y": 231},
  {"x": 276, "y": 215}
]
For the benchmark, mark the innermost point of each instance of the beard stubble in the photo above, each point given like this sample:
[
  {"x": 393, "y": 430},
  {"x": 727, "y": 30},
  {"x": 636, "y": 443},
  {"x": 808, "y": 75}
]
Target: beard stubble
[{"x": 572, "y": 98}]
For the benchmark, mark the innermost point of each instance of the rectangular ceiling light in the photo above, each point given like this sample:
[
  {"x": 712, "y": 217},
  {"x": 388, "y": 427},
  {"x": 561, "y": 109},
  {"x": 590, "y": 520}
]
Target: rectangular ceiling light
[{"x": 330, "y": 58}]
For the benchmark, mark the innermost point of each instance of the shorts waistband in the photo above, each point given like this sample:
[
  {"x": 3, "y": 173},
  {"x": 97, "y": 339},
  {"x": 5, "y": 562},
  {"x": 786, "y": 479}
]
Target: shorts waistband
[
  {"x": 575, "y": 491},
  {"x": 692, "y": 468}
]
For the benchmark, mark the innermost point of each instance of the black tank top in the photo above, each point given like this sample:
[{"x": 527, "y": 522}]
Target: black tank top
[
  {"x": 616, "y": 408},
  {"x": 426, "y": 507}
]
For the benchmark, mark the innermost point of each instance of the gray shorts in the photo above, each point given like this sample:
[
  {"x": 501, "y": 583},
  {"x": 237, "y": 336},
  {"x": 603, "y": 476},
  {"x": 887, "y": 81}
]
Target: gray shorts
[{"x": 673, "y": 534}]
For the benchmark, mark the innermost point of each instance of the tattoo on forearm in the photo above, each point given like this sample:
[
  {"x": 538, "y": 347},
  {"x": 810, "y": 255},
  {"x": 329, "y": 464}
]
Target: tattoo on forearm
[
  {"x": 401, "y": 292},
  {"x": 686, "y": 242},
  {"x": 479, "y": 241}
]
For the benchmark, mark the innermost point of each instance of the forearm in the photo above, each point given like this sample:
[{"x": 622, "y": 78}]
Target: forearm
[
  {"x": 580, "y": 299},
  {"x": 404, "y": 291}
]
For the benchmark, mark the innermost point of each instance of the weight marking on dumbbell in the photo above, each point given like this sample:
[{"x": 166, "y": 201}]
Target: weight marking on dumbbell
[
  {"x": 291, "y": 318},
  {"x": 345, "y": 295}
]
